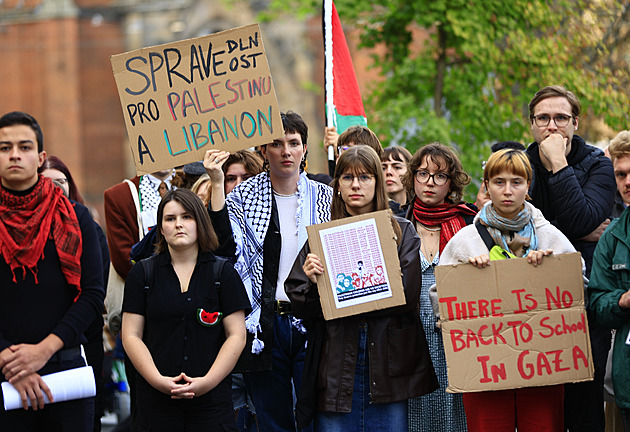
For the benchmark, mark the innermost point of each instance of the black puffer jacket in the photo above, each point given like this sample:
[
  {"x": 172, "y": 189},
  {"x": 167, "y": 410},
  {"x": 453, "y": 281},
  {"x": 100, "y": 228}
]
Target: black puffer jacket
[{"x": 579, "y": 197}]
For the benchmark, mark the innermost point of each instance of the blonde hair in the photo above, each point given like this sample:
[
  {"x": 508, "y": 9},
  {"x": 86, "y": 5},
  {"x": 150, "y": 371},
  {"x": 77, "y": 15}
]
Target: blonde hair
[
  {"x": 620, "y": 145},
  {"x": 203, "y": 179},
  {"x": 513, "y": 161}
]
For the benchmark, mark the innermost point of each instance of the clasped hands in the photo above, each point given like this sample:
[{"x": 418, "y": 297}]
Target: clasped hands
[{"x": 183, "y": 387}]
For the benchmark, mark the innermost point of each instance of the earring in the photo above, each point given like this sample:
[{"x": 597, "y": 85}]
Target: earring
[{"x": 266, "y": 165}]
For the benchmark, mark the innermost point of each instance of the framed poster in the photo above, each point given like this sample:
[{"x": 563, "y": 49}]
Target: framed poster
[{"x": 361, "y": 267}]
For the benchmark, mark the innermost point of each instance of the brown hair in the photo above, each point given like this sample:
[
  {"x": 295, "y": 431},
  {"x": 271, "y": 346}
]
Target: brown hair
[
  {"x": 360, "y": 135},
  {"x": 206, "y": 237},
  {"x": 620, "y": 145},
  {"x": 356, "y": 160},
  {"x": 396, "y": 153},
  {"x": 252, "y": 161},
  {"x": 292, "y": 123},
  {"x": 555, "y": 91},
  {"x": 439, "y": 155}
]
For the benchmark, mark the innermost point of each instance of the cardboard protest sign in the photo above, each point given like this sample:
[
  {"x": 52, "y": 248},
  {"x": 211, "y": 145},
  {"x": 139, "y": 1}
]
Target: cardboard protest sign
[
  {"x": 514, "y": 325},
  {"x": 361, "y": 266},
  {"x": 183, "y": 98}
]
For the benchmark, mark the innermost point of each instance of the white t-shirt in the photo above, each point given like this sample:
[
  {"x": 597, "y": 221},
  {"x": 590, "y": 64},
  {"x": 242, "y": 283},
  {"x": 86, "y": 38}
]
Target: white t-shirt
[{"x": 287, "y": 208}]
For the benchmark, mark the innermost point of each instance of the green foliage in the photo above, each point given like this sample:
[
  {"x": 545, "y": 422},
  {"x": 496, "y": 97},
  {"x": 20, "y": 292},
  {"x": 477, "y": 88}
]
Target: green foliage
[{"x": 468, "y": 84}]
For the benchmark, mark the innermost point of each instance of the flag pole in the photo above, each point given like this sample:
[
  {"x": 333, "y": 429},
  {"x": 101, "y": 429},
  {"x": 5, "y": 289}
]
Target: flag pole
[{"x": 328, "y": 78}]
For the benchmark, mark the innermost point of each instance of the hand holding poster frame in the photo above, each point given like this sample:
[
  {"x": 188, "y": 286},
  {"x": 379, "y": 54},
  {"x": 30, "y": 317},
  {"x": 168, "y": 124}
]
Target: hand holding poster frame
[
  {"x": 183, "y": 98},
  {"x": 361, "y": 266},
  {"x": 513, "y": 325}
]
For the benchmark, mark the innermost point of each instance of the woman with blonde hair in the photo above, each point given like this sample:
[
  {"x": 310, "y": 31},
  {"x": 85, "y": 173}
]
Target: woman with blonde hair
[{"x": 521, "y": 231}]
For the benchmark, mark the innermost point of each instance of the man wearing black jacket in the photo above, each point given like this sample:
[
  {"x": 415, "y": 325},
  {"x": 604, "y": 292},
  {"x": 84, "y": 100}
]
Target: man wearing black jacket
[
  {"x": 51, "y": 282},
  {"x": 573, "y": 185}
]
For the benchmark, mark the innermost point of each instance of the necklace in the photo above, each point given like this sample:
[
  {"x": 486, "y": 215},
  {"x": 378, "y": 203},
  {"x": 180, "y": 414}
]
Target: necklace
[
  {"x": 430, "y": 229},
  {"x": 430, "y": 253},
  {"x": 283, "y": 195}
]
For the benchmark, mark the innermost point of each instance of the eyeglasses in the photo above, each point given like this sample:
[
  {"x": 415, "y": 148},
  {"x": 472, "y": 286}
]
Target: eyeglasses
[
  {"x": 561, "y": 120},
  {"x": 348, "y": 179},
  {"x": 439, "y": 179},
  {"x": 343, "y": 148}
]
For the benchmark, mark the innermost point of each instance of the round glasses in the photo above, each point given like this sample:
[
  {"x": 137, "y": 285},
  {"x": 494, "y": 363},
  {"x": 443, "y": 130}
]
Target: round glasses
[
  {"x": 439, "y": 179},
  {"x": 348, "y": 179},
  {"x": 543, "y": 120}
]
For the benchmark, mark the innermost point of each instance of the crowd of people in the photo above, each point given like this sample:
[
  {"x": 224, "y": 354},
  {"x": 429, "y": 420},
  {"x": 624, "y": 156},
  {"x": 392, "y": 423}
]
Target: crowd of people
[{"x": 212, "y": 287}]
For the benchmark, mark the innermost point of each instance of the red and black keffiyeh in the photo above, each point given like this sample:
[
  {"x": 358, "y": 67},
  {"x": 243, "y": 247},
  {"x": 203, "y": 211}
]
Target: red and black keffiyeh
[
  {"x": 448, "y": 216},
  {"x": 26, "y": 222}
]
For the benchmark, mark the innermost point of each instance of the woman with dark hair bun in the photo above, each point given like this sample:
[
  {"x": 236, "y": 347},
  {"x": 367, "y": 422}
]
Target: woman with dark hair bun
[
  {"x": 395, "y": 161},
  {"x": 58, "y": 172}
]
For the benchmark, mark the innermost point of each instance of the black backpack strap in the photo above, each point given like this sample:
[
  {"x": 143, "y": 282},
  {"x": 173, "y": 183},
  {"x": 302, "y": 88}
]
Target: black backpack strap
[
  {"x": 217, "y": 269},
  {"x": 485, "y": 235},
  {"x": 148, "y": 264}
]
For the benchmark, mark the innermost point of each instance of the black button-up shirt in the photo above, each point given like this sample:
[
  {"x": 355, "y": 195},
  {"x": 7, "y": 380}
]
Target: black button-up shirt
[{"x": 174, "y": 333}]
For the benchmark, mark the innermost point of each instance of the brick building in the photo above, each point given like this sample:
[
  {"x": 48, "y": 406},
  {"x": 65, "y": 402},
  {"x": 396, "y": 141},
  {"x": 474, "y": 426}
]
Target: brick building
[{"x": 55, "y": 56}]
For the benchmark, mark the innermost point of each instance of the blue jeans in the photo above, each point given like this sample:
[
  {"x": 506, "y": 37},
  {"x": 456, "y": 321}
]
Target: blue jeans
[
  {"x": 273, "y": 392},
  {"x": 365, "y": 415}
]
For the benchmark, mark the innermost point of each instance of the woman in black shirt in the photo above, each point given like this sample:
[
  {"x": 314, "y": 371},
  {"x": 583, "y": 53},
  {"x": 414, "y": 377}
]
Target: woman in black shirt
[{"x": 183, "y": 323}]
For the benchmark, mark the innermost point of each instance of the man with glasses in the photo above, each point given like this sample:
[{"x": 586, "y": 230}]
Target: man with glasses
[{"x": 573, "y": 185}]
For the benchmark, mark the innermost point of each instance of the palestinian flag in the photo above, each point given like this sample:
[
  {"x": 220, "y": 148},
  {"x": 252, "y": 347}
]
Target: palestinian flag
[{"x": 344, "y": 106}]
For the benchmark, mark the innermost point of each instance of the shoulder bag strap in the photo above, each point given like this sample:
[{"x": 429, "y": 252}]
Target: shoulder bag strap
[
  {"x": 485, "y": 235},
  {"x": 134, "y": 195}
]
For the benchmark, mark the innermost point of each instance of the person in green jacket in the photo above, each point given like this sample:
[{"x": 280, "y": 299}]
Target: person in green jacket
[{"x": 609, "y": 295}]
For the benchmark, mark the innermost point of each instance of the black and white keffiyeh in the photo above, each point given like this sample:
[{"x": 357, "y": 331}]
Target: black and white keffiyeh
[
  {"x": 249, "y": 206},
  {"x": 150, "y": 199},
  {"x": 149, "y": 191}
]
